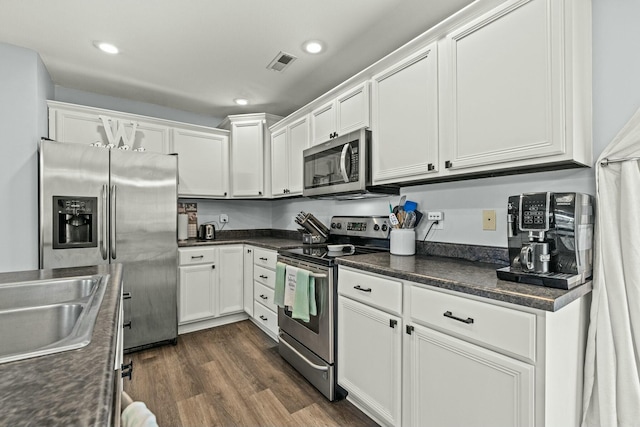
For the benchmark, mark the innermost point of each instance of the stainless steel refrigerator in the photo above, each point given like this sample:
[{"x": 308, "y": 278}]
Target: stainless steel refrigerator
[{"x": 100, "y": 206}]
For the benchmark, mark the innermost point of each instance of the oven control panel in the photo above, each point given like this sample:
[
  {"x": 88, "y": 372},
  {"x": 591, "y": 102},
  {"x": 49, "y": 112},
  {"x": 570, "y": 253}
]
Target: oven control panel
[{"x": 362, "y": 226}]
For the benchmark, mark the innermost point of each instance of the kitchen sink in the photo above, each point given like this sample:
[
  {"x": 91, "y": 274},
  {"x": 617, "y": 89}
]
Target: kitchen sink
[
  {"x": 29, "y": 294},
  {"x": 48, "y": 316}
]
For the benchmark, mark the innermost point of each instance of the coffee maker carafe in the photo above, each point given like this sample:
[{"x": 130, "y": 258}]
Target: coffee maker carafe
[{"x": 550, "y": 239}]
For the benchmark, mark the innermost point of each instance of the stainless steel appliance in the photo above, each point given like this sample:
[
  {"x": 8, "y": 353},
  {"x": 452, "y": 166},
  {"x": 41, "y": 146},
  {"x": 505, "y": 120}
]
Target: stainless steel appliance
[
  {"x": 550, "y": 239},
  {"x": 101, "y": 206},
  {"x": 206, "y": 232},
  {"x": 310, "y": 347},
  {"x": 341, "y": 169}
]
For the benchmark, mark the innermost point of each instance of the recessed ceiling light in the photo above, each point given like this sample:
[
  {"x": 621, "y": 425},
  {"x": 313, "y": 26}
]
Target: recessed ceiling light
[
  {"x": 106, "y": 47},
  {"x": 313, "y": 46},
  {"x": 241, "y": 101}
]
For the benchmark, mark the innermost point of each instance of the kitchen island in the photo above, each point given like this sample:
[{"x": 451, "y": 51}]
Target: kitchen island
[{"x": 75, "y": 387}]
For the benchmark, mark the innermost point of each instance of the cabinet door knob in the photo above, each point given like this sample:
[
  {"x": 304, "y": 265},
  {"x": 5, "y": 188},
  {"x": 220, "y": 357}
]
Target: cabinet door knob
[
  {"x": 248, "y": 251},
  {"x": 259, "y": 193},
  {"x": 409, "y": 329},
  {"x": 430, "y": 167},
  {"x": 225, "y": 193},
  {"x": 213, "y": 267},
  {"x": 448, "y": 164},
  {"x": 393, "y": 323}
]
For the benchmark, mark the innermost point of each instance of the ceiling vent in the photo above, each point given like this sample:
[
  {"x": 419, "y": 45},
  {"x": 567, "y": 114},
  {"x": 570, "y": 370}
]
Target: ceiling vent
[{"x": 281, "y": 61}]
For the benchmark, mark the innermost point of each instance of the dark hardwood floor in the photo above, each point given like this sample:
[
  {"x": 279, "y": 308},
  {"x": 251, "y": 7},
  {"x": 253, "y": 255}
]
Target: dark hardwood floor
[{"x": 231, "y": 375}]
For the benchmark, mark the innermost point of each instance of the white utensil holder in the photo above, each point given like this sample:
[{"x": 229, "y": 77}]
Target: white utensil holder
[{"x": 403, "y": 241}]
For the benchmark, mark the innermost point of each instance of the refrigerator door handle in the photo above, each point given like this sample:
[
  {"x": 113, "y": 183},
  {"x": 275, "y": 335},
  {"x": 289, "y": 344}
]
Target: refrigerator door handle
[
  {"x": 113, "y": 222},
  {"x": 103, "y": 230}
]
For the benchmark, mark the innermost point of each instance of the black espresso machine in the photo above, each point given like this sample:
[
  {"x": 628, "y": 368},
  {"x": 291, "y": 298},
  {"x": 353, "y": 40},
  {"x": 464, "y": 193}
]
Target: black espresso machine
[{"x": 550, "y": 239}]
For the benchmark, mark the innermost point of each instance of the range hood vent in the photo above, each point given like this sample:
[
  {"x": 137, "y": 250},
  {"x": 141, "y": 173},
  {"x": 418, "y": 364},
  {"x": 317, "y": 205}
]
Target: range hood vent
[{"x": 281, "y": 61}]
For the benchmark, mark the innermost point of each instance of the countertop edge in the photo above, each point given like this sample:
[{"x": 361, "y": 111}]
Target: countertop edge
[{"x": 517, "y": 298}]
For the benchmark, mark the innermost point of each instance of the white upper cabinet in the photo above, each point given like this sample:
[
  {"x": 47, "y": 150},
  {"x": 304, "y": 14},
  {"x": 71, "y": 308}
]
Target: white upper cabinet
[
  {"x": 404, "y": 108},
  {"x": 287, "y": 145},
  {"x": 516, "y": 87},
  {"x": 247, "y": 159},
  {"x": 203, "y": 162},
  {"x": 85, "y": 125},
  {"x": 250, "y": 166},
  {"x": 344, "y": 114}
]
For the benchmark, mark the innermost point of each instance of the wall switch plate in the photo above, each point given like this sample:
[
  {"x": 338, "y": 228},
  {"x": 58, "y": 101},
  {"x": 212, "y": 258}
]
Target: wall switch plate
[
  {"x": 489, "y": 220},
  {"x": 224, "y": 218}
]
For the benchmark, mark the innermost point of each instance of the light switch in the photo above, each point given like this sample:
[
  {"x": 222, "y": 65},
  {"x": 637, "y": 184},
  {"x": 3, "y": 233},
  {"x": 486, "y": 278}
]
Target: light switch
[{"x": 489, "y": 220}]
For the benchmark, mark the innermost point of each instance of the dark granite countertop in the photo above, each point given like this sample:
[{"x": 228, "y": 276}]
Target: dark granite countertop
[
  {"x": 468, "y": 277},
  {"x": 71, "y": 388},
  {"x": 273, "y": 243}
]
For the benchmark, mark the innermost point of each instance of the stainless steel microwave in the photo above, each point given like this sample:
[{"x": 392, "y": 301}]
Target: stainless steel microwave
[{"x": 341, "y": 169}]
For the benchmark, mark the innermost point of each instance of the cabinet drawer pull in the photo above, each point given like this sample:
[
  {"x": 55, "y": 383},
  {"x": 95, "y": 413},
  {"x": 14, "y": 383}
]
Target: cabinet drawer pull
[
  {"x": 263, "y": 318},
  {"x": 127, "y": 370},
  {"x": 126, "y": 295},
  {"x": 127, "y": 325},
  {"x": 264, "y": 259},
  {"x": 263, "y": 296},
  {"x": 262, "y": 276},
  {"x": 450, "y": 315},
  {"x": 362, "y": 289},
  {"x": 197, "y": 257}
]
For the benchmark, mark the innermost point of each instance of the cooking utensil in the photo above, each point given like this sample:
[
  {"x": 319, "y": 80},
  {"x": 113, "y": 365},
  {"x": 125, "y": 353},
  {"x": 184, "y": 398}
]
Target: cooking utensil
[
  {"x": 410, "y": 206},
  {"x": 410, "y": 220}
]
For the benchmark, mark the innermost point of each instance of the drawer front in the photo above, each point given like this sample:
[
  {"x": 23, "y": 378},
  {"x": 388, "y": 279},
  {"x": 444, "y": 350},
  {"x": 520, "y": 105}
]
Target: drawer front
[
  {"x": 500, "y": 327},
  {"x": 372, "y": 290},
  {"x": 266, "y": 317},
  {"x": 264, "y": 276},
  {"x": 265, "y": 258},
  {"x": 197, "y": 256},
  {"x": 264, "y": 296}
]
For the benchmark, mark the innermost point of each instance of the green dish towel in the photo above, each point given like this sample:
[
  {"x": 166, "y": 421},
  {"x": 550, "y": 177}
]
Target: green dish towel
[
  {"x": 278, "y": 298},
  {"x": 305, "y": 296}
]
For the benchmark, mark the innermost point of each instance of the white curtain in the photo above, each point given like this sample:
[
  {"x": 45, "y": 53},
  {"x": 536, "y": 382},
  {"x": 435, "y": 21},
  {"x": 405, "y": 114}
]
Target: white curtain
[{"x": 612, "y": 363}]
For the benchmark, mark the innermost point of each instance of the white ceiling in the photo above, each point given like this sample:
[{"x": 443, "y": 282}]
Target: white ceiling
[{"x": 198, "y": 55}]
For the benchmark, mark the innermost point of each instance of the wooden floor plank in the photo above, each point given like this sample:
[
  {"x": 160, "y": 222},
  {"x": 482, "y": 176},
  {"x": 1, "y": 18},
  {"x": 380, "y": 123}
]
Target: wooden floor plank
[{"x": 231, "y": 375}]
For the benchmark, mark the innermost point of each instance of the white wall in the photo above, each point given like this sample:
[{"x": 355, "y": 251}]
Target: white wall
[
  {"x": 243, "y": 214},
  {"x": 24, "y": 87},
  {"x": 75, "y": 96}
]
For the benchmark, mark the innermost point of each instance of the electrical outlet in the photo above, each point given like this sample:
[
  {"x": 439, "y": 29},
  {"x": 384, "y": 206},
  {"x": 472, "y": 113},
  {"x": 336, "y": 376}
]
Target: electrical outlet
[
  {"x": 224, "y": 218},
  {"x": 436, "y": 216},
  {"x": 489, "y": 220}
]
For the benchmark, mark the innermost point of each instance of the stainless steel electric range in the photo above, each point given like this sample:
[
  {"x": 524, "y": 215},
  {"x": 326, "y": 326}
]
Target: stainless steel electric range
[{"x": 310, "y": 347}]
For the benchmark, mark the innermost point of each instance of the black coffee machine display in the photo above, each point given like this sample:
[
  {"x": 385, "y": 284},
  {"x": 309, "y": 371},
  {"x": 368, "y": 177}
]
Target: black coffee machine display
[
  {"x": 75, "y": 222},
  {"x": 550, "y": 239}
]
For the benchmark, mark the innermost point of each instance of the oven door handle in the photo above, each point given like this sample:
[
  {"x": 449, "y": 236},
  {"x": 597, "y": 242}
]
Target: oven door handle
[
  {"x": 343, "y": 162},
  {"x": 309, "y": 362}
]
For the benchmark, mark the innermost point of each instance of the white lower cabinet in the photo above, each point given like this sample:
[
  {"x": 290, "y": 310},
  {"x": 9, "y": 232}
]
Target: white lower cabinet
[
  {"x": 454, "y": 383},
  {"x": 231, "y": 277},
  {"x": 248, "y": 280},
  {"x": 265, "y": 312},
  {"x": 370, "y": 358},
  {"x": 436, "y": 358},
  {"x": 197, "y": 292},
  {"x": 210, "y": 286}
]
